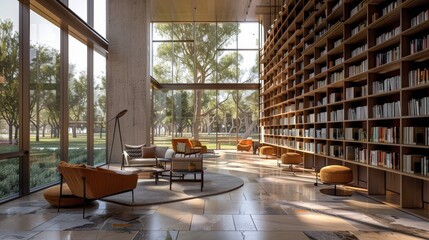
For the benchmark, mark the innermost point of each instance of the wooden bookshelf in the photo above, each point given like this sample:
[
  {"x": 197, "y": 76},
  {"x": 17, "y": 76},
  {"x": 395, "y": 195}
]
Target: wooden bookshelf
[{"x": 347, "y": 82}]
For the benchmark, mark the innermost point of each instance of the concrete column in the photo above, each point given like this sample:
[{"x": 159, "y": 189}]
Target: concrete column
[{"x": 128, "y": 82}]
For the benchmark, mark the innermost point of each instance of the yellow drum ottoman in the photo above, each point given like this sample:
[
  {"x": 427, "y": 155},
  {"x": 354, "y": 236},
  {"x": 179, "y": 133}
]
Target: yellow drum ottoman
[
  {"x": 291, "y": 158},
  {"x": 336, "y": 174},
  {"x": 266, "y": 150},
  {"x": 52, "y": 195}
]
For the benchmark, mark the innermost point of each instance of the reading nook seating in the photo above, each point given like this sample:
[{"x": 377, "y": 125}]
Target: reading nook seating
[
  {"x": 291, "y": 158},
  {"x": 244, "y": 145},
  {"x": 142, "y": 156},
  {"x": 184, "y": 146},
  {"x": 196, "y": 144},
  {"x": 92, "y": 183},
  {"x": 186, "y": 166},
  {"x": 336, "y": 174},
  {"x": 267, "y": 151}
]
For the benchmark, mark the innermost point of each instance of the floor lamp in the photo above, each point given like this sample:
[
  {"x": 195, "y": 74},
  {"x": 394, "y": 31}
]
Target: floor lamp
[{"x": 117, "y": 123}]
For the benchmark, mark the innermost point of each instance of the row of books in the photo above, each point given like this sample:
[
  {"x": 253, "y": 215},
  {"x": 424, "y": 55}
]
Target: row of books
[
  {"x": 419, "y": 18},
  {"x": 416, "y": 135},
  {"x": 359, "y": 68},
  {"x": 419, "y": 44},
  {"x": 384, "y": 135},
  {"x": 322, "y": 117},
  {"x": 354, "y": 92},
  {"x": 358, "y": 113},
  {"x": 355, "y": 153},
  {"x": 355, "y": 134},
  {"x": 418, "y": 107},
  {"x": 322, "y": 83},
  {"x": 321, "y": 133},
  {"x": 387, "y": 35},
  {"x": 384, "y": 159},
  {"x": 358, "y": 28},
  {"x": 387, "y": 57},
  {"x": 416, "y": 164},
  {"x": 336, "y": 76},
  {"x": 386, "y": 110},
  {"x": 336, "y": 133},
  {"x": 336, "y": 151},
  {"x": 389, "y": 7},
  {"x": 337, "y": 115},
  {"x": 359, "y": 50},
  {"x": 386, "y": 85},
  {"x": 418, "y": 77}
]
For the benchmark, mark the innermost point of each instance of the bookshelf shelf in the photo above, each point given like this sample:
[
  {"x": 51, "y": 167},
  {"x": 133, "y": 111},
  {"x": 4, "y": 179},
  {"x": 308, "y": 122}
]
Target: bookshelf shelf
[{"x": 337, "y": 75}]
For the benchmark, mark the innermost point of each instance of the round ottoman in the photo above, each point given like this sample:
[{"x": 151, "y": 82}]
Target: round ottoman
[
  {"x": 266, "y": 150},
  {"x": 52, "y": 195},
  {"x": 291, "y": 158},
  {"x": 336, "y": 174}
]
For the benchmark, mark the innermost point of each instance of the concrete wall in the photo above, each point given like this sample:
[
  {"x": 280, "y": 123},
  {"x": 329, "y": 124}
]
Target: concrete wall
[{"x": 128, "y": 83}]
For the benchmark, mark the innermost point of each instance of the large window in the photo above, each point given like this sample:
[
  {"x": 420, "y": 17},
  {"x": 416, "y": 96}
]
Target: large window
[
  {"x": 78, "y": 100},
  {"x": 220, "y": 53},
  {"x": 99, "y": 109},
  {"x": 9, "y": 85},
  {"x": 45, "y": 113},
  {"x": 44, "y": 100}
]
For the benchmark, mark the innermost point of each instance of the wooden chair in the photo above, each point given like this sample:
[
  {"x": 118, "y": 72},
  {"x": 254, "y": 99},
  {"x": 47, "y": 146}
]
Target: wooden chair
[{"x": 184, "y": 146}]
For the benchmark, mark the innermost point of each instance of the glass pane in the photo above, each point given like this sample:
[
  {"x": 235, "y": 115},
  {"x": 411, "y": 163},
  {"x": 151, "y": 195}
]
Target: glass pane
[
  {"x": 183, "y": 31},
  {"x": 248, "y": 109},
  {"x": 206, "y": 118},
  {"x": 100, "y": 17},
  {"x": 162, "y": 31},
  {"x": 227, "y": 67},
  {"x": 183, "y": 59},
  {"x": 162, "y": 62},
  {"x": 205, "y": 53},
  {"x": 77, "y": 101},
  {"x": 227, "y": 119},
  {"x": 248, "y": 37},
  {"x": 9, "y": 72},
  {"x": 44, "y": 101},
  {"x": 80, "y": 8},
  {"x": 9, "y": 177},
  {"x": 227, "y": 35},
  {"x": 183, "y": 112},
  {"x": 248, "y": 66},
  {"x": 162, "y": 118},
  {"x": 99, "y": 109}
]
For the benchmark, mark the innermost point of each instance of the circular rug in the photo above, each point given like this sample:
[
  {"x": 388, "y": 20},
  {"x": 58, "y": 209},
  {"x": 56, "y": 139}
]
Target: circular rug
[{"x": 147, "y": 193}]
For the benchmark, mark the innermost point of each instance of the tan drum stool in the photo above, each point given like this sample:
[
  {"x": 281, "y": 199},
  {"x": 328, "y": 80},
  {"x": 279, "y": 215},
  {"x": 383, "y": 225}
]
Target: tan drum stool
[
  {"x": 266, "y": 150},
  {"x": 336, "y": 174},
  {"x": 291, "y": 158},
  {"x": 52, "y": 195}
]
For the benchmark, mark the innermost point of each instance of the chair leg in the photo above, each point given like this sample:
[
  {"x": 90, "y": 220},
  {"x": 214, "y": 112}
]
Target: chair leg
[
  {"x": 84, "y": 198},
  {"x": 171, "y": 179},
  {"x": 335, "y": 189},
  {"x": 61, "y": 193},
  {"x": 132, "y": 196},
  {"x": 202, "y": 181}
]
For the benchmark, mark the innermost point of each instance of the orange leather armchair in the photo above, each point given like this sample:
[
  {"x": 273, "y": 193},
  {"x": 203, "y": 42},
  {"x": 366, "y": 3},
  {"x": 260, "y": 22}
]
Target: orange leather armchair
[
  {"x": 92, "y": 183},
  {"x": 184, "y": 146},
  {"x": 196, "y": 144},
  {"x": 244, "y": 145}
]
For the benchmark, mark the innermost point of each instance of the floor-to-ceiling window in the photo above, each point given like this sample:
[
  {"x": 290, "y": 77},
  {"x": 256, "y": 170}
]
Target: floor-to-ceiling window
[
  {"x": 45, "y": 97},
  {"x": 99, "y": 109},
  {"x": 52, "y": 91},
  {"x": 77, "y": 101},
  {"x": 198, "y": 54},
  {"x": 9, "y": 88}
]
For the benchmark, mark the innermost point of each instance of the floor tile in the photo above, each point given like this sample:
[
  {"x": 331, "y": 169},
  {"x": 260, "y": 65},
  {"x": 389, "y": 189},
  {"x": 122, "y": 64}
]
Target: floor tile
[
  {"x": 85, "y": 235},
  {"x": 210, "y": 235},
  {"x": 156, "y": 235},
  {"x": 243, "y": 223},
  {"x": 24, "y": 222},
  {"x": 212, "y": 223}
]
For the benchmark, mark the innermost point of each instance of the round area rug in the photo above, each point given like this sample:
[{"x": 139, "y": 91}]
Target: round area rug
[{"x": 147, "y": 193}]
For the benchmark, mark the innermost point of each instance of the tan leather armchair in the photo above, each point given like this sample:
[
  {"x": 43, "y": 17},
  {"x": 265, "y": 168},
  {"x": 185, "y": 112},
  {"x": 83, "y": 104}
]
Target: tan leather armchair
[
  {"x": 244, "y": 145},
  {"x": 184, "y": 146},
  {"x": 196, "y": 144},
  {"x": 92, "y": 183}
]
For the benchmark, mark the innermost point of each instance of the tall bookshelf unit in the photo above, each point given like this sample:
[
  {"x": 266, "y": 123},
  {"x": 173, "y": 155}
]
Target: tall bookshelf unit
[{"x": 347, "y": 82}]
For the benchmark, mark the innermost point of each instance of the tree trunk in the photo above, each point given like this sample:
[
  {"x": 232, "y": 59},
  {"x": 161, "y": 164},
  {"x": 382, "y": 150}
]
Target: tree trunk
[
  {"x": 74, "y": 131},
  {"x": 10, "y": 134}
]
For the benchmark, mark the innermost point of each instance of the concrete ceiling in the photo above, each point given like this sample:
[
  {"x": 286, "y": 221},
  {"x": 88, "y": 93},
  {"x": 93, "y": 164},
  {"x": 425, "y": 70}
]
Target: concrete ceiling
[{"x": 209, "y": 10}]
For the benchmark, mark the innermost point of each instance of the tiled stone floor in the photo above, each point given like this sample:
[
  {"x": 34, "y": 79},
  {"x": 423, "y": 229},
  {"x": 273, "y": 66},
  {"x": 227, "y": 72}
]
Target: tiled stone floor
[{"x": 272, "y": 204}]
